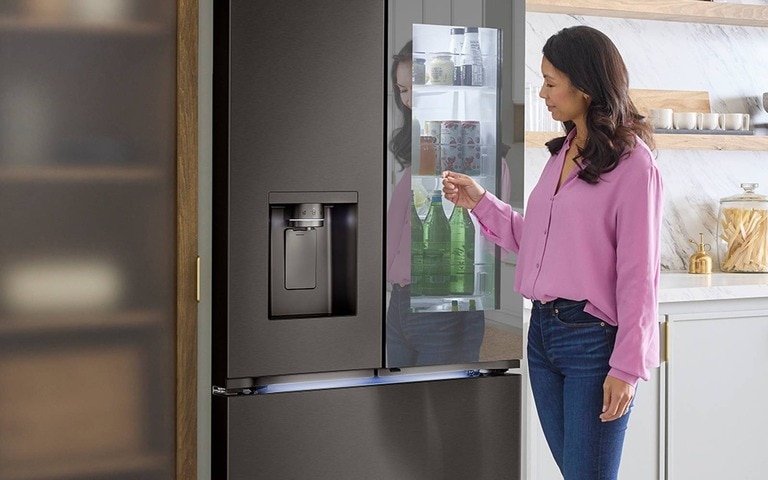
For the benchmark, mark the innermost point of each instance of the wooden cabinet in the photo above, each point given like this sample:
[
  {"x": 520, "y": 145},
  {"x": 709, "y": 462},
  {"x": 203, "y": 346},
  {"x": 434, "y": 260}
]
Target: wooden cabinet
[{"x": 98, "y": 143}]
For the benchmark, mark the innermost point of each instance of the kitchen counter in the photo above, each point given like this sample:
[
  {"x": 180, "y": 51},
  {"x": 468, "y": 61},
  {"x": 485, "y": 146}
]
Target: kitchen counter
[
  {"x": 676, "y": 287},
  {"x": 686, "y": 287}
]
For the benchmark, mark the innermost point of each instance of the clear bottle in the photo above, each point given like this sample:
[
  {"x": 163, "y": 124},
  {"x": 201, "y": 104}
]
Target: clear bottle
[
  {"x": 417, "y": 251},
  {"x": 419, "y": 71},
  {"x": 472, "y": 73},
  {"x": 437, "y": 249},
  {"x": 462, "y": 252},
  {"x": 457, "y": 42},
  {"x": 742, "y": 231}
]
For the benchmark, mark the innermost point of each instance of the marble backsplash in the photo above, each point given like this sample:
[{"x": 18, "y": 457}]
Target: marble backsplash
[{"x": 729, "y": 62}]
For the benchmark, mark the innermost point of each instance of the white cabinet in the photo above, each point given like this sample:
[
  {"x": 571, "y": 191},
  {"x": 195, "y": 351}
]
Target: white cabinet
[
  {"x": 702, "y": 415},
  {"x": 643, "y": 454},
  {"x": 643, "y": 446},
  {"x": 716, "y": 395}
]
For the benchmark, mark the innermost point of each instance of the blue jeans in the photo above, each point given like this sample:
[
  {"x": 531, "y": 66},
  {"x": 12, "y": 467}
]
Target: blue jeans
[
  {"x": 568, "y": 353},
  {"x": 430, "y": 338}
]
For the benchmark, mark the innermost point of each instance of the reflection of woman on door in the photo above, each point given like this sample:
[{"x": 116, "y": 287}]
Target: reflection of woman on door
[{"x": 428, "y": 338}]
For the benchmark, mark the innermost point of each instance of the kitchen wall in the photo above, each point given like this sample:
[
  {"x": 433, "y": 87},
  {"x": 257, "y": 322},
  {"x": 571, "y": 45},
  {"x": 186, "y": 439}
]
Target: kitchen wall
[{"x": 730, "y": 62}]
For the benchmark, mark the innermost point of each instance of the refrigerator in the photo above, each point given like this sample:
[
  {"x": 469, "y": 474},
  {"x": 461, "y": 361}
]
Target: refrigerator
[{"x": 352, "y": 317}]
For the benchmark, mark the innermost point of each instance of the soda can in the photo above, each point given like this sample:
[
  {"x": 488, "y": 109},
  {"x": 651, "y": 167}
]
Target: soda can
[
  {"x": 432, "y": 129},
  {"x": 471, "y": 159},
  {"x": 470, "y": 132},
  {"x": 450, "y": 132},
  {"x": 450, "y": 157}
]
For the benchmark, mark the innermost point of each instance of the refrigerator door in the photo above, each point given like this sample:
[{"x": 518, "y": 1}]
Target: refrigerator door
[
  {"x": 448, "y": 430},
  {"x": 298, "y": 191},
  {"x": 444, "y": 276}
]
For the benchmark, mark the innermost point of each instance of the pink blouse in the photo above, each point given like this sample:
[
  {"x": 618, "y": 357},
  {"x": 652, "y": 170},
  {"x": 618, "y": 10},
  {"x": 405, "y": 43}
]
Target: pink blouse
[{"x": 598, "y": 243}]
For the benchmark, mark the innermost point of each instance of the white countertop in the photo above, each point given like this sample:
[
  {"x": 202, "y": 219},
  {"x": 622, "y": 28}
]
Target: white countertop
[{"x": 686, "y": 287}]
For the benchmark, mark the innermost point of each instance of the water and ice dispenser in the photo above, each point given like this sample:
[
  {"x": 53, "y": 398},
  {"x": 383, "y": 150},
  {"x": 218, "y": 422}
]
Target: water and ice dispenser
[{"x": 313, "y": 254}]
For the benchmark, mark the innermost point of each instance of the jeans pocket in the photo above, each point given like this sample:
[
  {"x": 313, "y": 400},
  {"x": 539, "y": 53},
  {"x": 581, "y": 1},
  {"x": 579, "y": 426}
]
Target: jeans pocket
[{"x": 573, "y": 315}]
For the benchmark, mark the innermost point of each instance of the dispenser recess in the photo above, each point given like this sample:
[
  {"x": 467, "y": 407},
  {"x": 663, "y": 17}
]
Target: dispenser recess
[{"x": 313, "y": 254}]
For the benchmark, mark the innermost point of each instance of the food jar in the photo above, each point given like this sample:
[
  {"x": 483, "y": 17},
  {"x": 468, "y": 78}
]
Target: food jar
[
  {"x": 441, "y": 69},
  {"x": 742, "y": 231}
]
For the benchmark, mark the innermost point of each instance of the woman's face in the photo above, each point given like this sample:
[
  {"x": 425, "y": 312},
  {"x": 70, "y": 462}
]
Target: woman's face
[
  {"x": 404, "y": 80},
  {"x": 564, "y": 101}
]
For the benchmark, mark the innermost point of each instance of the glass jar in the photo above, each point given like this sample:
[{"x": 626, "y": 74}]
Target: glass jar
[
  {"x": 742, "y": 231},
  {"x": 441, "y": 69}
]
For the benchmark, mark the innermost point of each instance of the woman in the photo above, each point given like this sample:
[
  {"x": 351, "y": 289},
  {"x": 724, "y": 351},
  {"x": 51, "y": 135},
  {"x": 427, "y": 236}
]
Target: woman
[
  {"x": 588, "y": 254},
  {"x": 428, "y": 338}
]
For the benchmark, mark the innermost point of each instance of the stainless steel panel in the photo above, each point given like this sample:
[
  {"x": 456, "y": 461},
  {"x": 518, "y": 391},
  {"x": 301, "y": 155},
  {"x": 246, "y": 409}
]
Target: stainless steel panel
[
  {"x": 447, "y": 430},
  {"x": 299, "y": 107}
]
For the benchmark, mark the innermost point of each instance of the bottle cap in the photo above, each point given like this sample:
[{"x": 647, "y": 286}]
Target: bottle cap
[
  {"x": 471, "y": 30},
  {"x": 457, "y": 31}
]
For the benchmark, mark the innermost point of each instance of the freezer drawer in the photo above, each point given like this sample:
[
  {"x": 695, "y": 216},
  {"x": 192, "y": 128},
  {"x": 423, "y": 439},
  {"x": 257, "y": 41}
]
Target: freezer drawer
[{"x": 449, "y": 429}]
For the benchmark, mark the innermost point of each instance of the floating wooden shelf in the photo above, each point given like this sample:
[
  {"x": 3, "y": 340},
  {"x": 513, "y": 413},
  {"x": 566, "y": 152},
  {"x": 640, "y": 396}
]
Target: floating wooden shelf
[
  {"x": 692, "y": 11},
  {"x": 677, "y": 141}
]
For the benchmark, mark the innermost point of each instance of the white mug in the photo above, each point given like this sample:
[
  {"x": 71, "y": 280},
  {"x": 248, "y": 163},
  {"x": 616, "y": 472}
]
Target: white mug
[
  {"x": 661, "y": 118},
  {"x": 734, "y": 121},
  {"x": 685, "y": 120},
  {"x": 708, "y": 121}
]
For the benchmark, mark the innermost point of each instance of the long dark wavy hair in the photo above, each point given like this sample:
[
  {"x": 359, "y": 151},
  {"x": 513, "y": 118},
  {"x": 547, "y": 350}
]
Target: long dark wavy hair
[
  {"x": 400, "y": 144},
  {"x": 594, "y": 65}
]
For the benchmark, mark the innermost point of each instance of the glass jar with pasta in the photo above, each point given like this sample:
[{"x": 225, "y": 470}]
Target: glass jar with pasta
[{"x": 742, "y": 231}]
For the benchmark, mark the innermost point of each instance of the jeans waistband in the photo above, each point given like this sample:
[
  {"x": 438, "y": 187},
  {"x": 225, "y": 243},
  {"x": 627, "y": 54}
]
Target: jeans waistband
[{"x": 557, "y": 303}]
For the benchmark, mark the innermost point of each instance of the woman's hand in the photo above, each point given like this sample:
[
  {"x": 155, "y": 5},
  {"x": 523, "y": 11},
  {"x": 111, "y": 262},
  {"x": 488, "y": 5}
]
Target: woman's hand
[
  {"x": 617, "y": 396},
  {"x": 461, "y": 189}
]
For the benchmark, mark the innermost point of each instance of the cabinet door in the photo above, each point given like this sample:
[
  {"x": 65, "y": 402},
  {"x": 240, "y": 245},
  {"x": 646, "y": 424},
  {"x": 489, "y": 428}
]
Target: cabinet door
[
  {"x": 643, "y": 450},
  {"x": 716, "y": 396},
  {"x": 88, "y": 209}
]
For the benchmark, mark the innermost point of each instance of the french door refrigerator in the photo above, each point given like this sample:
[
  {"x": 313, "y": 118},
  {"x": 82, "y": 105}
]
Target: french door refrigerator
[{"x": 350, "y": 331}]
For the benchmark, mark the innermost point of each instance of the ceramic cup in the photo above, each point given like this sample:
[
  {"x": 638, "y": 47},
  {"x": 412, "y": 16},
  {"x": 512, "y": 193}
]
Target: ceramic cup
[
  {"x": 708, "y": 121},
  {"x": 734, "y": 121},
  {"x": 661, "y": 117},
  {"x": 685, "y": 120}
]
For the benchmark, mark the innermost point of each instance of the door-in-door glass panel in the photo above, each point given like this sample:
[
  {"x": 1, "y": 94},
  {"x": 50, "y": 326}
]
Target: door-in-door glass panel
[{"x": 443, "y": 275}]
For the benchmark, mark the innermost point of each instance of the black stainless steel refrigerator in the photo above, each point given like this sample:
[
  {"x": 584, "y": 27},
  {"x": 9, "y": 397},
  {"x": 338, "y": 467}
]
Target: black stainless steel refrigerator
[{"x": 350, "y": 338}]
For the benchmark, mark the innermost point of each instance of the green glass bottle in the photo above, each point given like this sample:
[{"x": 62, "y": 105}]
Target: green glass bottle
[
  {"x": 462, "y": 252},
  {"x": 437, "y": 249},
  {"x": 417, "y": 251}
]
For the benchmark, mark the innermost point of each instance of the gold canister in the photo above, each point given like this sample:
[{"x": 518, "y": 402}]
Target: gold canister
[{"x": 701, "y": 261}]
